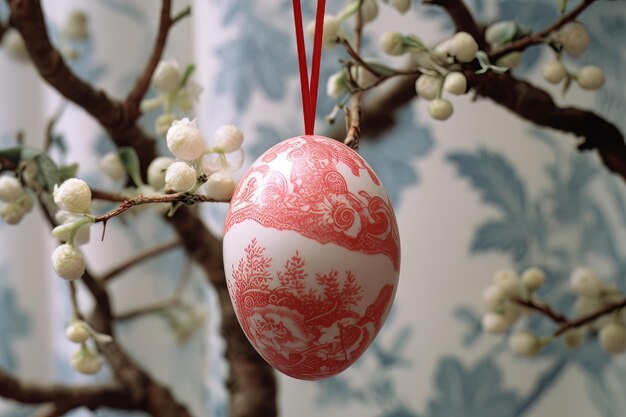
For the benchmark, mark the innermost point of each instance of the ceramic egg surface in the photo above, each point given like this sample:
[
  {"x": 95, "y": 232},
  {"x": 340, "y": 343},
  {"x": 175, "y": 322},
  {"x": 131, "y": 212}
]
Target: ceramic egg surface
[{"x": 312, "y": 256}]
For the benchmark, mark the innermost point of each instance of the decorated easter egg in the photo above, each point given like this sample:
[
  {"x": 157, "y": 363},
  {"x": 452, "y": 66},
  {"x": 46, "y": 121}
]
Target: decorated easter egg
[{"x": 312, "y": 256}]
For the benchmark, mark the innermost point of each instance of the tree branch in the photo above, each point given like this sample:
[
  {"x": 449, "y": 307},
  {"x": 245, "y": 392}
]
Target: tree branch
[
  {"x": 540, "y": 37},
  {"x": 354, "y": 113},
  {"x": 543, "y": 309},
  {"x": 149, "y": 253},
  {"x": 590, "y": 318}
]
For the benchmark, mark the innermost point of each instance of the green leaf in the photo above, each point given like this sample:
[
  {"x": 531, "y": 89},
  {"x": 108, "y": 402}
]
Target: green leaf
[
  {"x": 68, "y": 171},
  {"x": 12, "y": 154},
  {"x": 130, "y": 160},
  {"x": 189, "y": 69},
  {"x": 562, "y": 5},
  {"x": 48, "y": 171}
]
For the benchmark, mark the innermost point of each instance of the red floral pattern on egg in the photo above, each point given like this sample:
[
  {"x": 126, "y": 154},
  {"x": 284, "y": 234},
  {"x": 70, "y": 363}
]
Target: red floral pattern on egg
[{"x": 297, "y": 185}]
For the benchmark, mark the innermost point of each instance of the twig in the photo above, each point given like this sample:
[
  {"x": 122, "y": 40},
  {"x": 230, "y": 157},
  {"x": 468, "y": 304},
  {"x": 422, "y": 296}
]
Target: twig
[
  {"x": 540, "y": 37},
  {"x": 51, "y": 123},
  {"x": 186, "y": 198},
  {"x": 74, "y": 300},
  {"x": 543, "y": 309},
  {"x": 97, "y": 194},
  {"x": 354, "y": 113},
  {"x": 590, "y": 317},
  {"x": 141, "y": 257}
]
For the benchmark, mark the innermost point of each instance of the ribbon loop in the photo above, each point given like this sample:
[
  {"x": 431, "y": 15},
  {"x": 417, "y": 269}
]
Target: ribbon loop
[{"x": 309, "y": 88}]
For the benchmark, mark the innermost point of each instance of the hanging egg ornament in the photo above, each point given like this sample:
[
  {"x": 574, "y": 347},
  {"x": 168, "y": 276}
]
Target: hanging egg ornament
[{"x": 312, "y": 256}]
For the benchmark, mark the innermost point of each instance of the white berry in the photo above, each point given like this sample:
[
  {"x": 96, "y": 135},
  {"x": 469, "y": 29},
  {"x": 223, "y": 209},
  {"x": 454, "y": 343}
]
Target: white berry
[
  {"x": 26, "y": 202},
  {"x": 585, "y": 282},
  {"x": 86, "y": 362},
  {"x": 10, "y": 189},
  {"x": 156, "y": 171},
  {"x": 111, "y": 164},
  {"x": 77, "y": 332},
  {"x": 363, "y": 77},
  {"x": 493, "y": 297},
  {"x": 68, "y": 262},
  {"x": 14, "y": 43},
  {"x": 533, "y": 279},
  {"x": 330, "y": 32},
  {"x": 336, "y": 84},
  {"x": 499, "y": 33},
  {"x": 574, "y": 38},
  {"x": 554, "y": 71},
  {"x": 167, "y": 76},
  {"x": 463, "y": 47},
  {"x": 590, "y": 77},
  {"x": 524, "y": 343},
  {"x": 392, "y": 43},
  {"x": 369, "y": 10},
  {"x": 12, "y": 213},
  {"x": 613, "y": 338},
  {"x": 511, "y": 60},
  {"x": 180, "y": 177},
  {"x": 74, "y": 195},
  {"x": 455, "y": 83},
  {"x": 427, "y": 86},
  {"x": 494, "y": 323},
  {"x": 184, "y": 140},
  {"x": 508, "y": 281},
  {"x": 440, "y": 109},
  {"x": 574, "y": 338},
  {"x": 220, "y": 186},
  {"x": 401, "y": 5},
  {"x": 228, "y": 138}
]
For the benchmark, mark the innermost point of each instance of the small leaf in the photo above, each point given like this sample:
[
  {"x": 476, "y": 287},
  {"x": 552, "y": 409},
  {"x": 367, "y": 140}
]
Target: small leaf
[
  {"x": 562, "y": 5},
  {"x": 130, "y": 160},
  {"x": 189, "y": 69},
  {"x": 12, "y": 154},
  {"x": 48, "y": 171},
  {"x": 68, "y": 171}
]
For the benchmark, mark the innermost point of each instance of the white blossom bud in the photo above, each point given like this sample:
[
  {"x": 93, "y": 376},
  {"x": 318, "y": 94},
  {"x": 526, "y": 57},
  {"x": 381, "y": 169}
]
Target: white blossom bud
[
  {"x": 86, "y": 362},
  {"x": 455, "y": 83},
  {"x": 363, "y": 77},
  {"x": 533, "y": 279},
  {"x": 331, "y": 29},
  {"x": 73, "y": 195},
  {"x": 26, "y": 202},
  {"x": 77, "y": 332},
  {"x": 440, "y": 109},
  {"x": 463, "y": 47},
  {"x": 574, "y": 38},
  {"x": 611, "y": 294},
  {"x": 184, "y": 140},
  {"x": 585, "y": 282},
  {"x": 511, "y": 312},
  {"x": 613, "y": 338},
  {"x": 508, "y": 281},
  {"x": 493, "y": 297},
  {"x": 30, "y": 174},
  {"x": 427, "y": 86},
  {"x": 68, "y": 262},
  {"x": 369, "y": 10},
  {"x": 336, "y": 84},
  {"x": 554, "y": 71},
  {"x": 499, "y": 33},
  {"x": 392, "y": 43},
  {"x": 494, "y": 323},
  {"x": 76, "y": 26},
  {"x": 163, "y": 122},
  {"x": 180, "y": 177},
  {"x": 220, "y": 186},
  {"x": 574, "y": 338},
  {"x": 524, "y": 343},
  {"x": 211, "y": 164},
  {"x": 156, "y": 171},
  {"x": 10, "y": 189},
  {"x": 14, "y": 43},
  {"x": 167, "y": 77},
  {"x": 65, "y": 217},
  {"x": 587, "y": 305},
  {"x": 510, "y": 60},
  {"x": 12, "y": 213},
  {"x": 228, "y": 138},
  {"x": 400, "y": 5},
  {"x": 112, "y": 165},
  {"x": 590, "y": 77}
]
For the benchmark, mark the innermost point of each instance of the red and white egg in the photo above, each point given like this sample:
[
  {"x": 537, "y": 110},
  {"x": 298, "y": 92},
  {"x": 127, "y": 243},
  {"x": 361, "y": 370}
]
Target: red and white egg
[{"x": 312, "y": 256}]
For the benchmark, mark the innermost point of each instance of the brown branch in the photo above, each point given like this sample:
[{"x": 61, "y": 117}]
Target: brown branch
[
  {"x": 354, "y": 113},
  {"x": 141, "y": 257},
  {"x": 143, "y": 82},
  {"x": 91, "y": 396},
  {"x": 462, "y": 18},
  {"x": 590, "y": 318},
  {"x": 97, "y": 194},
  {"x": 544, "y": 309},
  {"x": 540, "y": 37}
]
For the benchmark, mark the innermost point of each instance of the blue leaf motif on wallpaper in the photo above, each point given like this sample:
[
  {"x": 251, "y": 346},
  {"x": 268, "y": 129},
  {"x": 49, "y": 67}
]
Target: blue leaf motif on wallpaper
[
  {"x": 256, "y": 58},
  {"x": 471, "y": 392},
  {"x": 14, "y": 323}
]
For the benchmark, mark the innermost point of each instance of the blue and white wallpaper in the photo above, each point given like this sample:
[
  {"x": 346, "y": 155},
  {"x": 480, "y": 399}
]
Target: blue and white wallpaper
[{"x": 480, "y": 192}]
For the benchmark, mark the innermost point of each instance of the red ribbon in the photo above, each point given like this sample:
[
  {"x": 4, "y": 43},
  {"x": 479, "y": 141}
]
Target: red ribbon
[{"x": 309, "y": 88}]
